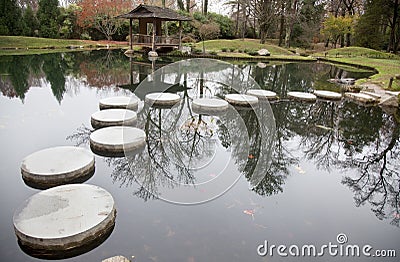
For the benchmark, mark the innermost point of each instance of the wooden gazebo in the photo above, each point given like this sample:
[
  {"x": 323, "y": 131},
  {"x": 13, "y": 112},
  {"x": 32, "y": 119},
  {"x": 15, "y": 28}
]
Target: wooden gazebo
[{"x": 155, "y": 15}]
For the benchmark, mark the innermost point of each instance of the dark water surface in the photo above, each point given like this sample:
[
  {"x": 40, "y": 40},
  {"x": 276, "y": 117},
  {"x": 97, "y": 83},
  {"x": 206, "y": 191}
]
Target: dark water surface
[{"x": 335, "y": 165}]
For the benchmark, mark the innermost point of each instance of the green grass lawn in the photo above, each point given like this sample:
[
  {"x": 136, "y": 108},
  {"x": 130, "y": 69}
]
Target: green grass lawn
[
  {"x": 387, "y": 68},
  {"x": 239, "y": 44},
  {"x": 23, "y": 42},
  {"x": 14, "y": 45},
  {"x": 387, "y": 65},
  {"x": 354, "y": 51}
]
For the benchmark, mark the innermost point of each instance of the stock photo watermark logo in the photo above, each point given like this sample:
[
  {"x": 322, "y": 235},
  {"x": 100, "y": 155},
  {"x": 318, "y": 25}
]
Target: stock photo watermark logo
[
  {"x": 194, "y": 154},
  {"x": 339, "y": 248}
]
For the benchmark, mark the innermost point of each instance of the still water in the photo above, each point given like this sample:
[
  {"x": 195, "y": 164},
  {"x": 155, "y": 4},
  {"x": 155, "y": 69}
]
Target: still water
[{"x": 333, "y": 167}]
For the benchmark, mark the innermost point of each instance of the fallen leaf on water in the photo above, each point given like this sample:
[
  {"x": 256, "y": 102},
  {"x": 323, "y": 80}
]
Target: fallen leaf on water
[
  {"x": 170, "y": 232},
  {"x": 249, "y": 212},
  {"x": 260, "y": 226},
  {"x": 230, "y": 206}
]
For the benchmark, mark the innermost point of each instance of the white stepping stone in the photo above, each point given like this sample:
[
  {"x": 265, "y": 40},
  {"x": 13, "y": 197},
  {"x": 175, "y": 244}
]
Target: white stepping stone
[
  {"x": 262, "y": 94},
  {"x": 64, "y": 217},
  {"x": 113, "y": 117},
  {"x": 122, "y": 102},
  {"x": 241, "y": 99},
  {"x": 360, "y": 97},
  {"x": 115, "y": 140},
  {"x": 209, "y": 106},
  {"x": 302, "y": 96},
  {"x": 57, "y": 165},
  {"x": 327, "y": 95},
  {"x": 162, "y": 99}
]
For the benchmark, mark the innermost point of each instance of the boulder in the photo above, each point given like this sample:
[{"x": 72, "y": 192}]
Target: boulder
[{"x": 263, "y": 52}]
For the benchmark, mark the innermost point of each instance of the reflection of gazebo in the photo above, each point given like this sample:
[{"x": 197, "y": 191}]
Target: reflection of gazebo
[{"x": 155, "y": 15}]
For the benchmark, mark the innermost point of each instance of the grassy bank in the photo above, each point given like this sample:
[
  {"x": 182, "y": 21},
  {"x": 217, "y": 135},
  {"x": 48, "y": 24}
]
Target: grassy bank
[
  {"x": 387, "y": 65},
  {"x": 239, "y": 48},
  {"x": 239, "y": 44},
  {"x": 14, "y": 45}
]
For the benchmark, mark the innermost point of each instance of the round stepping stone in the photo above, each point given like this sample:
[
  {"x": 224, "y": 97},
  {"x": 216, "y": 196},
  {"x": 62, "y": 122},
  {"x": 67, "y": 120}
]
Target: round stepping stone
[
  {"x": 302, "y": 96},
  {"x": 56, "y": 166},
  {"x": 64, "y": 218},
  {"x": 327, "y": 95},
  {"x": 262, "y": 94},
  {"x": 209, "y": 106},
  {"x": 162, "y": 99},
  {"x": 113, "y": 117},
  {"x": 241, "y": 100},
  {"x": 122, "y": 102},
  {"x": 115, "y": 140}
]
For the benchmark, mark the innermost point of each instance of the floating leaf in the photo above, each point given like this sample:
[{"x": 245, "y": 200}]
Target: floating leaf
[{"x": 249, "y": 212}]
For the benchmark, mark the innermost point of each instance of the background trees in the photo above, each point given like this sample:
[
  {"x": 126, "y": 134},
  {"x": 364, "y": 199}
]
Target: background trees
[
  {"x": 10, "y": 18},
  {"x": 101, "y": 14},
  {"x": 290, "y": 23},
  {"x": 47, "y": 15}
]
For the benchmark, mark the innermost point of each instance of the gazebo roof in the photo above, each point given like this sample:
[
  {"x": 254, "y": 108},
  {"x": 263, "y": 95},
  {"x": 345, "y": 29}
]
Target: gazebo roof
[{"x": 149, "y": 11}]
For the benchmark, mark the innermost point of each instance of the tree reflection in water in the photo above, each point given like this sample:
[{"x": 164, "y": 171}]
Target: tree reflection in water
[
  {"x": 364, "y": 141},
  {"x": 347, "y": 136}
]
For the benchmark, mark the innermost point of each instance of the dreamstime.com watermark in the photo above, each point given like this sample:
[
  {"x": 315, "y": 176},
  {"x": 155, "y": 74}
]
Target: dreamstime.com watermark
[{"x": 339, "y": 248}]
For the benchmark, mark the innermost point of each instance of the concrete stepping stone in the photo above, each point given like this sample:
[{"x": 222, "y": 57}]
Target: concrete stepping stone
[
  {"x": 121, "y": 102},
  {"x": 262, "y": 94},
  {"x": 360, "y": 97},
  {"x": 57, "y": 166},
  {"x": 162, "y": 99},
  {"x": 64, "y": 218},
  {"x": 116, "y": 140},
  {"x": 302, "y": 96},
  {"x": 241, "y": 100},
  {"x": 209, "y": 106},
  {"x": 113, "y": 117},
  {"x": 329, "y": 95}
]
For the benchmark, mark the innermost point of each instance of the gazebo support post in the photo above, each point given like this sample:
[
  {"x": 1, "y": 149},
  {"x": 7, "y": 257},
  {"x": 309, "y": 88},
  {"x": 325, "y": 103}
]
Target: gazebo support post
[
  {"x": 180, "y": 35},
  {"x": 153, "y": 44},
  {"x": 130, "y": 35}
]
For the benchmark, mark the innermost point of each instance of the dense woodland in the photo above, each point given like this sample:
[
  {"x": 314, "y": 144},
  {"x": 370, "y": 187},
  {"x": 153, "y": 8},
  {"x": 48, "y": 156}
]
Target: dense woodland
[{"x": 289, "y": 23}]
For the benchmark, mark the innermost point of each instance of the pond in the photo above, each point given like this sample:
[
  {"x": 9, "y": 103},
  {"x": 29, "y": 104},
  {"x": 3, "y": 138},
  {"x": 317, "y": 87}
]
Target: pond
[{"x": 328, "y": 168}]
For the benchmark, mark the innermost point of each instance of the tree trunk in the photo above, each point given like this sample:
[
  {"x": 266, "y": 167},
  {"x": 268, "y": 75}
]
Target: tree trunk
[
  {"x": 290, "y": 22},
  {"x": 244, "y": 28},
  {"x": 205, "y": 7},
  {"x": 393, "y": 24},
  {"x": 282, "y": 24},
  {"x": 188, "y": 6},
  {"x": 237, "y": 19},
  {"x": 180, "y": 5}
]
